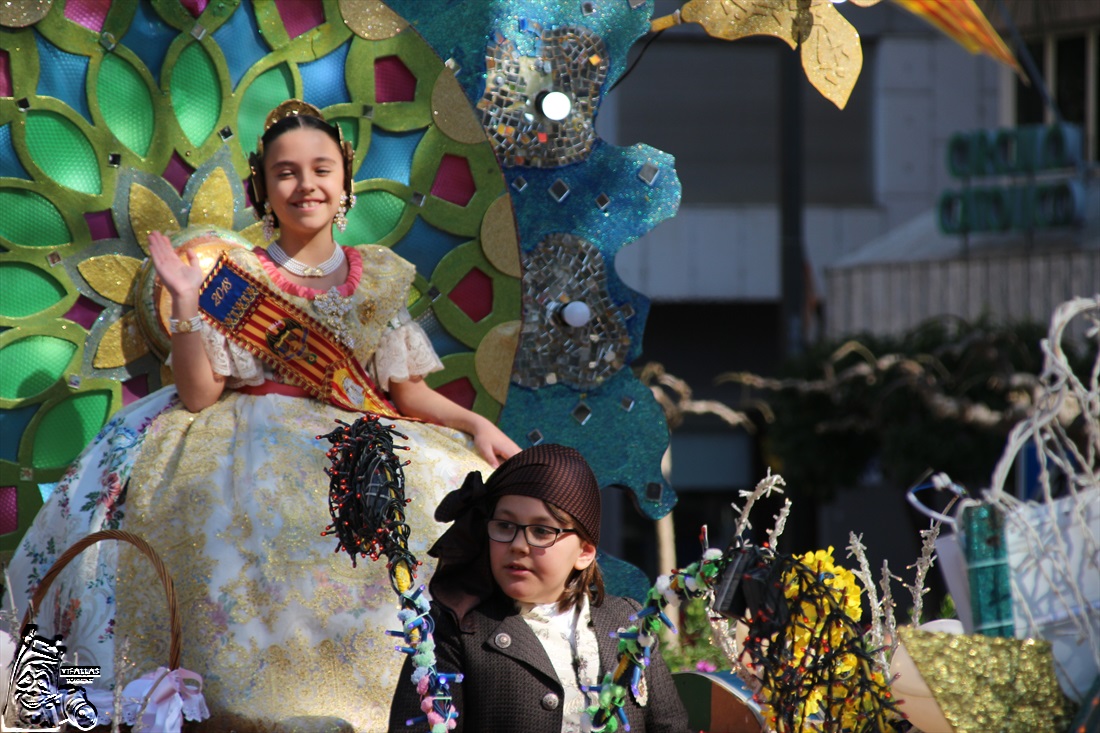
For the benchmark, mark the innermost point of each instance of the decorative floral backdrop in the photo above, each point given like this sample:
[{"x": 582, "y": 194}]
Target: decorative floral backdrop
[{"x": 118, "y": 119}]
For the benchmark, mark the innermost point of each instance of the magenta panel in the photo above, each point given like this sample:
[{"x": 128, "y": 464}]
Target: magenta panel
[
  {"x": 453, "y": 181},
  {"x": 195, "y": 7},
  {"x": 134, "y": 389},
  {"x": 300, "y": 16},
  {"x": 9, "y": 509},
  {"x": 84, "y": 311},
  {"x": 88, "y": 13},
  {"x": 393, "y": 82},
  {"x": 5, "y": 75},
  {"x": 461, "y": 391},
  {"x": 101, "y": 224},
  {"x": 474, "y": 295},
  {"x": 177, "y": 172}
]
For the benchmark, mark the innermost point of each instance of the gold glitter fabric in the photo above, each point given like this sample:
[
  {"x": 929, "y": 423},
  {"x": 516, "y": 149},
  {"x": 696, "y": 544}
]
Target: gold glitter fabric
[
  {"x": 984, "y": 683},
  {"x": 832, "y": 55},
  {"x": 234, "y": 499},
  {"x": 22, "y": 13}
]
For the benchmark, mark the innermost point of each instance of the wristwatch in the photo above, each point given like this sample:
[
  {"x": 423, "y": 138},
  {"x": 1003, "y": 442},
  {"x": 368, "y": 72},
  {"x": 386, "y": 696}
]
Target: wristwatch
[{"x": 187, "y": 326}]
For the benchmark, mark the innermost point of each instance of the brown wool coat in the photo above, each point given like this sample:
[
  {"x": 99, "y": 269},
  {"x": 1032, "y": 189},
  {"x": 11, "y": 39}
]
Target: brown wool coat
[{"x": 510, "y": 685}]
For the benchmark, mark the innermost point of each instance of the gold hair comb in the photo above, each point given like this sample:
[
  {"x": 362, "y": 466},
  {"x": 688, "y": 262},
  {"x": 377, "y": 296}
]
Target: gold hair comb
[{"x": 292, "y": 108}]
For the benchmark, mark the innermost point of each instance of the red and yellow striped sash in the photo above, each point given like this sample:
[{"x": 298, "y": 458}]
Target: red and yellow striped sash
[{"x": 299, "y": 348}]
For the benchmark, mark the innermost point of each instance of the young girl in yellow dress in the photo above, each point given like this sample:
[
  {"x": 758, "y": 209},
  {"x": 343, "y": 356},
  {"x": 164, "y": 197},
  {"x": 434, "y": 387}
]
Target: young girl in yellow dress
[{"x": 223, "y": 473}]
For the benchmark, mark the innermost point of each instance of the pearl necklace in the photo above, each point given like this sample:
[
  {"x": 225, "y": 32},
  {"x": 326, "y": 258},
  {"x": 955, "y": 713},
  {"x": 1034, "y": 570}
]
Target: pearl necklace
[{"x": 282, "y": 259}]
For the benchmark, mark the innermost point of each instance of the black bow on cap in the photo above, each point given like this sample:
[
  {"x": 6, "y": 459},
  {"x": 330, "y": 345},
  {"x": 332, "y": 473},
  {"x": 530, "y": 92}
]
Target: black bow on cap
[
  {"x": 472, "y": 492},
  {"x": 462, "y": 579}
]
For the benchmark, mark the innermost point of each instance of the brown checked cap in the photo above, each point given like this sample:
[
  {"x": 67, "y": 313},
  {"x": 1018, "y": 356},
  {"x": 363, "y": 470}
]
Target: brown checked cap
[{"x": 556, "y": 474}]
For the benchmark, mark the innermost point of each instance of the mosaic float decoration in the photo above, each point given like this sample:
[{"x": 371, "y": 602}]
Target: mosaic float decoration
[
  {"x": 120, "y": 119},
  {"x": 477, "y": 159}
]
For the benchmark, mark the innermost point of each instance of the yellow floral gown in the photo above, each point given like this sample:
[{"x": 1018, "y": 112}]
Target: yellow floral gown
[{"x": 234, "y": 498}]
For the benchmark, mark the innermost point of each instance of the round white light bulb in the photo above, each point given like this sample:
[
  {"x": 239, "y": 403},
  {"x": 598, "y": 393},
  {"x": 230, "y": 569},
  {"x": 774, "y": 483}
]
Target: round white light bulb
[
  {"x": 555, "y": 105},
  {"x": 576, "y": 313}
]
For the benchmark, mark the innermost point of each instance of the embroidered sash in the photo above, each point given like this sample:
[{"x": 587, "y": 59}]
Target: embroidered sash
[{"x": 300, "y": 349}]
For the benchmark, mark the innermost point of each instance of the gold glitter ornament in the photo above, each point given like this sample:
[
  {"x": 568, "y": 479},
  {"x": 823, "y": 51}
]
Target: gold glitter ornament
[
  {"x": 149, "y": 213},
  {"x": 494, "y": 357},
  {"x": 371, "y": 19},
  {"x": 451, "y": 111},
  {"x": 23, "y": 13},
  {"x": 832, "y": 56},
  {"x": 121, "y": 344},
  {"x": 112, "y": 276},
  {"x": 988, "y": 683},
  {"x": 210, "y": 205},
  {"x": 499, "y": 240}
]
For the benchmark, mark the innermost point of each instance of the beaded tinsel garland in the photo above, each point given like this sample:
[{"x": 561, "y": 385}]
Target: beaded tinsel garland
[{"x": 367, "y": 504}]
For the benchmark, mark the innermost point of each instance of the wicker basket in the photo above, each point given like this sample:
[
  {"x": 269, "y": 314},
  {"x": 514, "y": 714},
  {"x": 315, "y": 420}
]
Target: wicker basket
[{"x": 175, "y": 641}]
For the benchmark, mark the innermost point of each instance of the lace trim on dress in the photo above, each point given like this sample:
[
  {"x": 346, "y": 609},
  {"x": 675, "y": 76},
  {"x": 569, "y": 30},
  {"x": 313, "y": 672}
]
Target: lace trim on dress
[
  {"x": 404, "y": 352},
  {"x": 230, "y": 360}
]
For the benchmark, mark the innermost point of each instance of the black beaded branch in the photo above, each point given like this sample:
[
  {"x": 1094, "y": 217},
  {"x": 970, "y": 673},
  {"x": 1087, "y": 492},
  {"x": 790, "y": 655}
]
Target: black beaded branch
[
  {"x": 366, "y": 496},
  {"x": 857, "y": 701},
  {"x": 366, "y": 499}
]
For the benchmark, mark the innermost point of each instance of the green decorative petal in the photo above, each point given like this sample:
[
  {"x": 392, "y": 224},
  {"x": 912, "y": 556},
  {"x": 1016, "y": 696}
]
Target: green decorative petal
[
  {"x": 263, "y": 94},
  {"x": 30, "y": 365},
  {"x": 67, "y": 427},
  {"x": 31, "y": 220},
  {"x": 125, "y": 103},
  {"x": 375, "y": 215},
  {"x": 26, "y": 290},
  {"x": 63, "y": 151},
  {"x": 196, "y": 93}
]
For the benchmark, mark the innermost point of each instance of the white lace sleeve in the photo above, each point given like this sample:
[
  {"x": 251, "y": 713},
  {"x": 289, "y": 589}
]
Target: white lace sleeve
[
  {"x": 405, "y": 351},
  {"x": 230, "y": 360}
]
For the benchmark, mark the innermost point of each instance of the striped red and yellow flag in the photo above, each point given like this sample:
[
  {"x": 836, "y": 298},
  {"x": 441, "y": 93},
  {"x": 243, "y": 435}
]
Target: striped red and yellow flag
[{"x": 964, "y": 23}]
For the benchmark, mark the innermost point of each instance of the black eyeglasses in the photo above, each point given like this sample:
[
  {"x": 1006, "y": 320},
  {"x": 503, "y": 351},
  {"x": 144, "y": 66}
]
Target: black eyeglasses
[{"x": 537, "y": 535}]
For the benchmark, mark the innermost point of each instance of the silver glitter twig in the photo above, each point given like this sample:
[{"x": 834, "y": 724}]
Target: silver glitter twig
[
  {"x": 780, "y": 524},
  {"x": 857, "y": 550},
  {"x": 772, "y": 483},
  {"x": 924, "y": 563}
]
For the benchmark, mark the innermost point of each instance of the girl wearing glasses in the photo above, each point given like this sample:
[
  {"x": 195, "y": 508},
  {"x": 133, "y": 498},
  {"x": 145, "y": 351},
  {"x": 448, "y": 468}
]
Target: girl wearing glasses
[{"x": 520, "y": 608}]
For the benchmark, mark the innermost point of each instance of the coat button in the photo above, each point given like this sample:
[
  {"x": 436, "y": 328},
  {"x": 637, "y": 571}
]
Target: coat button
[
  {"x": 503, "y": 641},
  {"x": 550, "y": 701}
]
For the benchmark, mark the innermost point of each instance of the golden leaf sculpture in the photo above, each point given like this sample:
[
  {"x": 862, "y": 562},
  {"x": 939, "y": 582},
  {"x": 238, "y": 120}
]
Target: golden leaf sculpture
[
  {"x": 112, "y": 276},
  {"x": 831, "y": 54}
]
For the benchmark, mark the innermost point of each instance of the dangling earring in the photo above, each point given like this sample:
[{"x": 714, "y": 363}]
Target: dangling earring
[
  {"x": 269, "y": 222},
  {"x": 341, "y": 217}
]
